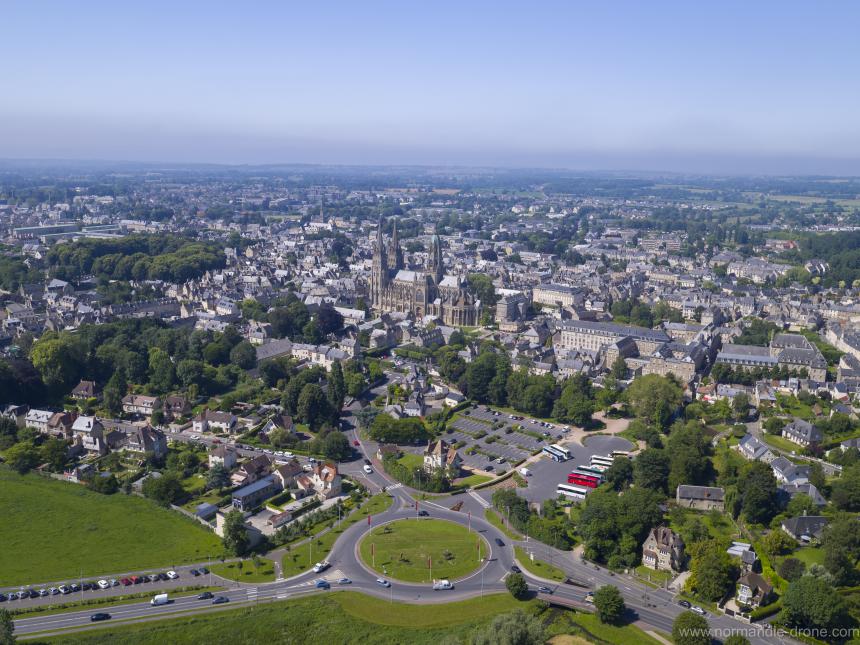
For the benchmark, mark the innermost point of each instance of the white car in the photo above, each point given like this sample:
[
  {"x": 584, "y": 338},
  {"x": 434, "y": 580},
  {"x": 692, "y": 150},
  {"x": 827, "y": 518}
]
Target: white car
[
  {"x": 368, "y": 469},
  {"x": 442, "y": 585},
  {"x": 698, "y": 610},
  {"x": 319, "y": 567},
  {"x": 172, "y": 575},
  {"x": 104, "y": 584}
]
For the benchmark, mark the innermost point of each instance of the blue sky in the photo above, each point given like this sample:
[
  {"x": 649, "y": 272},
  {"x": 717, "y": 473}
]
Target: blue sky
[{"x": 701, "y": 87}]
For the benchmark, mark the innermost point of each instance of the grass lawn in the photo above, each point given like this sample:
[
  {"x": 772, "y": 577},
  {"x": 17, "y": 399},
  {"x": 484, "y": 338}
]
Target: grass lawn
[
  {"x": 248, "y": 573},
  {"x": 780, "y": 443},
  {"x": 302, "y": 557},
  {"x": 338, "y": 617},
  {"x": 538, "y": 567},
  {"x": 809, "y": 555},
  {"x": 471, "y": 480},
  {"x": 411, "y": 460},
  {"x": 405, "y": 549},
  {"x": 622, "y": 635},
  {"x": 657, "y": 577},
  {"x": 496, "y": 520},
  {"x": 52, "y": 530}
]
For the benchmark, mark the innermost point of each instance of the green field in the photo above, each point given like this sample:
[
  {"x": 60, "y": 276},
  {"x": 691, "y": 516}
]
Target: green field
[
  {"x": 626, "y": 635},
  {"x": 302, "y": 557},
  {"x": 52, "y": 531},
  {"x": 339, "y": 617},
  {"x": 405, "y": 549},
  {"x": 471, "y": 480},
  {"x": 411, "y": 460},
  {"x": 538, "y": 567},
  {"x": 248, "y": 573}
]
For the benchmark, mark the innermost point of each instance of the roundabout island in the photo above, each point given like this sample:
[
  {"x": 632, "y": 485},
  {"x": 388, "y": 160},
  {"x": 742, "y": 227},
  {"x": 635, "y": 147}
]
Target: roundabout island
[{"x": 421, "y": 550}]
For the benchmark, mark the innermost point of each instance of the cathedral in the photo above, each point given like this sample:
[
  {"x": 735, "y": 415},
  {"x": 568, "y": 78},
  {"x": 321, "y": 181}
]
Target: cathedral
[{"x": 421, "y": 293}]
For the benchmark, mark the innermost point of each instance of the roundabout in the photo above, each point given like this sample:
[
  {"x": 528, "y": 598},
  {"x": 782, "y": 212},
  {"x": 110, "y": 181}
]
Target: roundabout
[{"x": 421, "y": 550}]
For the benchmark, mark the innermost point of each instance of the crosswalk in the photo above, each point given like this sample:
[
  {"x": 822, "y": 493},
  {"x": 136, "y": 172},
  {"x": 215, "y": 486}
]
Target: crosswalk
[
  {"x": 479, "y": 499},
  {"x": 394, "y": 486}
]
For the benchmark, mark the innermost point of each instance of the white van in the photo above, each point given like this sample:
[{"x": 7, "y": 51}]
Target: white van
[
  {"x": 442, "y": 585},
  {"x": 525, "y": 472},
  {"x": 160, "y": 599}
]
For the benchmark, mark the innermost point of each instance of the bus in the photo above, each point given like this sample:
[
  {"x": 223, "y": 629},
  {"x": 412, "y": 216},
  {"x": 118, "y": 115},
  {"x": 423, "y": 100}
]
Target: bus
[
  {"x": 580, "y": 478},
  {"x": 554, "y": 454},
  {"x": 569, "y": 491},
  {"x": 597, "y": 470},
  {"x": 620, "y": 453},
  {"x": 562, "y": 450},
  {"x": 601, "y": 460}
]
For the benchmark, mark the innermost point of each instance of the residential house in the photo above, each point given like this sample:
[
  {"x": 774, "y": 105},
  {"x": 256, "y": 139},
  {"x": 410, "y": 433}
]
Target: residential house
[
  {"x": 285, "y": 475},
  {"x": 663, "y": 550},
  {"x": 18, "y": 413},
  {"x": 147, "y": 439},
  {"x": 787, "y": 472},
  {"x": 140, "y": 404},
  {"x": 38, "y": 420},
  {"x": 89, "y": 434},
  {"x": 323, "y": 481},
  {"x": 702, "y": 498},
  {"x": 176, "y": 405},
  {"x": 754, "y": 590},
  {"x": 755, "y": 449},
  {"x": 214, "y": 421},
  {"x": 439, "y": 454},
  {"x": 802, "y": 433},
  {"x": 85, "y": 390},
  {"x": 788, "y": 491},
  {"x": 252, "y": 470},
  {"x": 250, "y": 496},
  {"x": 805, "y": 528},
  {"x": 224, "y": 455},
  {"x": 278, "y": 422}
]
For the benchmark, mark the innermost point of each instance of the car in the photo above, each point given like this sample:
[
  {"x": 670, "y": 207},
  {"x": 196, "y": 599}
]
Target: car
[
  {"x": 87, "y": 586},
  {"x": 220, "y": 600},
  {"x": 442, "y": 585},
  {"x": 99, "y": 616},
  {"x": 280, "y": 453},
  {"x": 164, "y": 576},
  {"x": 125, "y": 582},
  {"x": 544, "y": 589},
  {"x": 2, "y": 597},
  {"x": 698, "y": 610},
  {"x": 53, "y": 591},
  {"x": 43, "y": 592},
  {"x": 499, "y": 542},
  {"x": 75, "y": 586},
  {"x": 65, "y": 590},
  {"x": 356, "y": 443},
  {"x": 488, "y": 468},
  {"x": 323, "y": 584},
  {"x": 319, "y": 567},
  {"x": 685, "y": 603},
  {"x": 368, "y": 469},
  {"x": 423, "y": 514},
  {"x": 383, "y": 582},
  {"x": 344, "y": 581},
  {"x": 206, "y": 595},
  {"x": 367, "y": 462},
  {"x": 114, "y": 582},
  {"x": 515, "y": 569},
  {"x": 103, "y": 584},
  {"x": 172, "y": 575},
  {"x": 194, "y": 572},
  {"x": 589, "y": 597},
  {"x": 203, "y": 570},
  {"x": 136, "y": 580}
]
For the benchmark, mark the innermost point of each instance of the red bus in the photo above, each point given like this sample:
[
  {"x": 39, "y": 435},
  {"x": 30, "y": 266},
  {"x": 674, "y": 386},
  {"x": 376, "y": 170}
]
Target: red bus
[{"x": 583, "y": 479}]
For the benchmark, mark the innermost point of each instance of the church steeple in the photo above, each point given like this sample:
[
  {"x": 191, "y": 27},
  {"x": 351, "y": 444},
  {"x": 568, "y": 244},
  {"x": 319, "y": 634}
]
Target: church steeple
[
  {"x": 395, "y": 253},
  {"x": 436, "y": 267}
]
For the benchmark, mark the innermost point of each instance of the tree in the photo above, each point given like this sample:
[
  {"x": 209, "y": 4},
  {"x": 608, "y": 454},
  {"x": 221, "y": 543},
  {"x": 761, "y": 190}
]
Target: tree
[
  {"x": 236, "y": 539},
  {"x": 741, "y": 405},
  {"x": 774, "y": 425},
  {"x": 22, "y": 457},
  {"x": 757, "y": 490},
  {"x": 60, "y": 362},
  {"x": 335, "y": 446},
  {"x": 619, "y": 368},
  {"x": 517, "y": 585},
  {"x": 846, "y": 490},
  {"x": 218, "y": 477},
  {"x": 651, "y": 470},
  {"x": 313, "y": 407},
  {"x": 165, "y": 490},
  {"x": 778, "y": 543},
  {"x": 841, "y": 545},
  {"x": 328, "y": 320},
  {"x": 609, "y": 603},
  {"x": 736, "y": 639},
  {"x": 811, "y": 603},
  {"x": 791, "y": 569},
  {"x": 104, "y": 485},
  {"x": 366, "y": 415},
  {"x": 161, "y": 372},
  {"x": 7, "y": 628},
  {"x": 654, "y": 398},
  {"x": 690, "y": 629},
  {"x": 514, "y": 628},
  {"x": 712, "y": 572},
  {"x": 244, "y": 355},
  {"x": 115, "y": 389},
  {"x": 336, "y": 387},
  {"x": 620, "y": 473},
  {"x": 54, "y": 452}
]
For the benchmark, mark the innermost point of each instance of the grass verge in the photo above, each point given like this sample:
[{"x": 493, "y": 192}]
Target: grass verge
[
  {"x": 496, "y": 520},
  {"x": 538, "y": 567}
]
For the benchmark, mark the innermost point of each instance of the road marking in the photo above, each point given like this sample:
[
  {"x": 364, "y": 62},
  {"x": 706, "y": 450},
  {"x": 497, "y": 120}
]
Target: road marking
[{"x": 479, "y": 499}]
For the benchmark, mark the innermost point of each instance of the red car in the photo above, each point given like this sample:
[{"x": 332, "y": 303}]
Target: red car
[
  {"x": 135, "y": 580},
  {"x": 125, "y": 582},
  {"x": 356, "y": 443}
]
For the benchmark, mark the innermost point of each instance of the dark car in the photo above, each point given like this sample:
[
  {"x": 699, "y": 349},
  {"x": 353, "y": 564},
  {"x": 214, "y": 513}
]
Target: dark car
[
  {"x": 423, "y": 514},
  {"x": 323, "y": 584},
  {"x": 194, "y": 572},
  {"x": 2, "y": 597},
  {"x": 356, "y": 444},
  {"x": 220, "y": 600},
  {"x": 499, "y": 542},
  {"x": 162, "y": 576},
  {"x": 684, "y": 604},
  {"x": 203, "y": 570},
  {"x": 99, "y": 616},
  {"x": 75, "y": 586},
  {"x": 367, "y": 462},
  {"x": 543, "y": 589},
  {"x": 86, "y": 586},
  {"x": 206, "y": 595},
  {"x": 516, "y": 569}
]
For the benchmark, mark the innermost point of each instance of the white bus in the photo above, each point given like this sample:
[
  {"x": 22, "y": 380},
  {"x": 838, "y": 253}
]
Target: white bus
[
  {"x": 562, "y": 450},
  {"x": 554, "y": 454},
  {"x": 601, "y": 460},
  {"x": 620, "y": 453},
  {"x": 570, "y": 491}
]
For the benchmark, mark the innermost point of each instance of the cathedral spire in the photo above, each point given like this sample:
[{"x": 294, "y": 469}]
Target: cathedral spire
[{"x": 436, "y": 267}]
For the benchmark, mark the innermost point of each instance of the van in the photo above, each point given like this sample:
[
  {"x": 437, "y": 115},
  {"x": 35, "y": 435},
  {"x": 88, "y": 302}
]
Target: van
[
  {"x": 525, "y": 472},
  {"x": 442, "y": 585},
  {"x": 159, "y": 599}
]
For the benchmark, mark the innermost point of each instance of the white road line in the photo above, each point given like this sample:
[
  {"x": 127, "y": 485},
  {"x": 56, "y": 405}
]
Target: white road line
[{"x": 479, "y": 499}]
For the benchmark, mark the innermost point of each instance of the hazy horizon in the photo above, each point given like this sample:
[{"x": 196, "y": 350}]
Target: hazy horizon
[{"x": 670, "y": 87}]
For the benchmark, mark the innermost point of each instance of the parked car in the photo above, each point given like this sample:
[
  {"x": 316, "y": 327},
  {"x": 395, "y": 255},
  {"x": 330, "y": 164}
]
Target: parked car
[
  {"x": 53, "y": 591},
  {"x": 206, "y": 595},
  {"x": 367, "y": 462},
  {"x": 220, "y": 600},
  {"x": 172, "y": 575},
  {"x": 684, "y": 603},
  {"x": 194, "y": 572},
  {"x": 65, "y": 590},
  {"x": 103, "y": 584},
  {"x": 589, "y": 597},
  {"x": 204, "y": 570},
  {"x": 423, "y": 514},
  {"x": 698, "y": 610},
  {"x": 368, "y": 469},
  {"x": 43, "y": 592},
  {"x": 2, "y": 597},
  {"x": 356, "y": 443},
  {"x": 99, "y": 616}
]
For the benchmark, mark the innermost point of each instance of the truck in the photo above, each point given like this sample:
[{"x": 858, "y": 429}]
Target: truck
[
  {"x": 442, "y": 585},
  {"x": 525, "y": 472},
  {"x": 159, "y": 599},
  {"x": 319, "y": 567}
]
